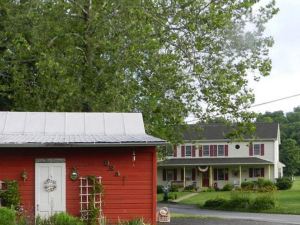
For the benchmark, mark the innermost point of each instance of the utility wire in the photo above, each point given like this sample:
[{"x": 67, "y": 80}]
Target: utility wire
[{"x": 276, "y": 100}]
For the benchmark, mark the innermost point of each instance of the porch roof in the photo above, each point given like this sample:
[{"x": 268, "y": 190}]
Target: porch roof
[
  {"x": 47, "y": 129},
  {"x": 212, "y": 161}
]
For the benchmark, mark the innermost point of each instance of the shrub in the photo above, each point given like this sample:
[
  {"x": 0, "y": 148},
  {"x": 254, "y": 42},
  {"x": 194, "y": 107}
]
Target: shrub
[
  {"x": 60, "y": 219},
  {"x": 216, "y": 203},
  {"x": 284, "y": 183},
  {"x": 10, "y": 196},
  {"x": 238, "y": 201},
  {"x": 190, "y": 188},
  {"x": 172, "y": 196},
  {"x": 160, "y": 189},
  {"x": 247, "y": 185},
  {"x": 175, "y": 188},
  {"x": 7, "y": 216},
  {"x": 263, "y": 203},
  {"x": 228, "y": 187},
  {"x": 136, "y": 221},
  {"x": 263, "y": 185}
]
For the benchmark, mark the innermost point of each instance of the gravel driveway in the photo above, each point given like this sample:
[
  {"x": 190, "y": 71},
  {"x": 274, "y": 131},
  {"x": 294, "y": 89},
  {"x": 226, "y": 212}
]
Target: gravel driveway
[{"x": 216, "y": 221}]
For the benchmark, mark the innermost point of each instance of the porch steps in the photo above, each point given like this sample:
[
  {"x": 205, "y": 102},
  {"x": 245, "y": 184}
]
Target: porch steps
[{"x": 184, "y": 197}]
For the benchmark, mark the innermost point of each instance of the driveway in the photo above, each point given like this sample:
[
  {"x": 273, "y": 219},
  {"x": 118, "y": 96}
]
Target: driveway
[{"x": 272, "y": 218}]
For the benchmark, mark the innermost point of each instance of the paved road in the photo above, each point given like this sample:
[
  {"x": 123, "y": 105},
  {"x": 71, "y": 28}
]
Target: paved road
[
  {"x": 216, "y": 221},
  {"x": 272, "y": 218}
]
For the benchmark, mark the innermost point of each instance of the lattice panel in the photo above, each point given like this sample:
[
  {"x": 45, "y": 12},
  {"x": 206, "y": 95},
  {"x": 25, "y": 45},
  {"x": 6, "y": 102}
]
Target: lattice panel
[{"x": 88, "y": 196}]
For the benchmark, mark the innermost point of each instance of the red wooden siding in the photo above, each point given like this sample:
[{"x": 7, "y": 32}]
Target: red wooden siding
[{"x": 131, "y": 195}]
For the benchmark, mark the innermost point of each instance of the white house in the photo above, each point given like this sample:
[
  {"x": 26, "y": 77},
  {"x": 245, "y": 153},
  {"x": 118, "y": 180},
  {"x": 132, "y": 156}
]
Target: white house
[{"x": 209, "y": 159}]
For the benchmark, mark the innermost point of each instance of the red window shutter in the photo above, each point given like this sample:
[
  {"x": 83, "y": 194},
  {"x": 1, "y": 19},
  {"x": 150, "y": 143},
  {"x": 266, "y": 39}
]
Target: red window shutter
[
  {"x": 226, "y": 150},
  {"x": 262, "y": 172},
  {"x": 250, "y": 149},
  {"x": 193, "y": 174},
  {"x": 215, "y": 150},
  {"x": 211, "y": 150},
  {"x": 262, "y": 149},
  {"x": 175, "y": 151},
  {"x": 182, "y": 174},
  {"x": 226, "y": 174},
  {"x": 215, "y": 174},
  {"x": 193, "y": 151},
  {"x": 250, "y": 172},
  {"x": 200, "y": 150},
  {"x": 182, "y": 151},
  {"x": 175, "y": 174},
  {"x": 164, "y": 175}
]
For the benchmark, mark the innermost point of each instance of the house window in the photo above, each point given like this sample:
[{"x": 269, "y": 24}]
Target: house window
[
  {"x": 221, "y": 174},
  {"x": 206, "y": 150},
  {"x": 221, "y": 150},
  {"x": 256, "y": 172},
  {"x": 188, "y": 150},
  {"x": 170, "y": 175},
  {"x": 256, "y": 149}
]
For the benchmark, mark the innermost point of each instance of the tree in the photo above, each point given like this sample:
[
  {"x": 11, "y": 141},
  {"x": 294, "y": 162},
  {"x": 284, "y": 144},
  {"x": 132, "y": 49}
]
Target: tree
[
  {"x": 290, "y": 156},
  {"x": 166, "y": 59}
]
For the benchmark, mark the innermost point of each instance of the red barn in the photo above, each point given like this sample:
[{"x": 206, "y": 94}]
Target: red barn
[{"x": 52, "y": 155}]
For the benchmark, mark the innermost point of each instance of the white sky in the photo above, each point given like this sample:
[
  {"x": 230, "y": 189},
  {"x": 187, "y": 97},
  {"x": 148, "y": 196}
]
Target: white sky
[{"x": 285, "y": 76}]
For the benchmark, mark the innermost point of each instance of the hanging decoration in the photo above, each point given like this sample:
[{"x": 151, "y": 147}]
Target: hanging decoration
[
  {"x": 205, "y": 169},
  {"x": 50, "y": 185},
  {"x": 74, "y": 174},
  {"x": 24, "y": 175}
]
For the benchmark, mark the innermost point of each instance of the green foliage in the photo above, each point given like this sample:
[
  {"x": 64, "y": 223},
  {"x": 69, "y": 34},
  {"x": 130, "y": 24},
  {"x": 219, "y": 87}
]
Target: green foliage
[
  {"x": 238, "y": 201},
  {"x": 284, "y": 183},
  {"x": 290, "y": 156},
  {"x": 261, "y": 185},
  {"x": 7, "y": 216},
  {"x": 263, "y": 202},
  {"x": 137, "y": 221},
  {"x": 172, "y": 196},
  {"x": 59, "y": 219},
  {"x": 175, "y": 187},
  {"x": 228, "y": 187},
  {"x": 10, "y": 196},
  {"x": 192, "y": 188},
  {"x": 217, "y": 203},
  {"x": 160, "y": 189},
  {"x": 132, "y": 56}
]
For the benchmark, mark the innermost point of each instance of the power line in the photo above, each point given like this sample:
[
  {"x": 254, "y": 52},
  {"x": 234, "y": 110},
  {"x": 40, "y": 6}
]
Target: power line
[{"x": 276, "y": 100}]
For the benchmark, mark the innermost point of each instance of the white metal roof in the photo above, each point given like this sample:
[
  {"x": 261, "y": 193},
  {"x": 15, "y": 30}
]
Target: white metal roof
[{"x": 67, "y": 128}]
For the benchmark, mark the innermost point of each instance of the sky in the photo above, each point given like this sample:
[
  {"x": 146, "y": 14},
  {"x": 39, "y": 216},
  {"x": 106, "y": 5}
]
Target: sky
[{"x": 285, "y": 75}]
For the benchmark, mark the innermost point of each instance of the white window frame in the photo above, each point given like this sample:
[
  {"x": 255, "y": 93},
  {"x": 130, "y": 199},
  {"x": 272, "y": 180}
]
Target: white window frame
[
  {"x": 203, "y": 153},
  {"x": 185, "y": 149},
  {"x": 219, "y": 146},
  {"x": 256, "y": 149}
]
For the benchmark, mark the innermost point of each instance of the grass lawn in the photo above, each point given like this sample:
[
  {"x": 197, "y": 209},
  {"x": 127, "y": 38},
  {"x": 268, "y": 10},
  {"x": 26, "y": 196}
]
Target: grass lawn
[
  {"x": 179, "y": 195},
  {"x": 287, "y": 201}
]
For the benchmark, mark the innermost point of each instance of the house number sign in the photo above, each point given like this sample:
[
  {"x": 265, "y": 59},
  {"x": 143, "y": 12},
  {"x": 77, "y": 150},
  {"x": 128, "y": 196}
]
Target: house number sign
[{"x": 50, "y": 185}]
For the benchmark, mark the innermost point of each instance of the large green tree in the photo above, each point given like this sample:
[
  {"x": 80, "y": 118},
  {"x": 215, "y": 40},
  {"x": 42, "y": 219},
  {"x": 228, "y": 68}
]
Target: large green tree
[{"x": 166, "y": 59}]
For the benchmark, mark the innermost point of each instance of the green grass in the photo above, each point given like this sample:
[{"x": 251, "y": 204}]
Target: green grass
[
  {"x": 179, "y": 195},
  {"x": 287, "y": 201}
]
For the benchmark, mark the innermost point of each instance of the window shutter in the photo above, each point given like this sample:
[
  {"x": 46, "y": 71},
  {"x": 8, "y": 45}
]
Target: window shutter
[
  {"x": 182, "y": 151},
  {"x": 215, "y": 150},
  {"x": 226, "y": 150},
  {"x": 164, "y": 175},
  {"x": 250, "y": 149},
  {"x": 175, "y": 174},
  {"x": 250, "y": 172},
  {"x": 211, "y": 150},
  {"x": 175, "y": 151},
  {"x": 226, "y": 174},
  {"x": 182, "y": 174},
  {"x": 215, "y": 174},
  {"x": 262, "y": 172},
  {"x": 262, "y": 149},
  {"x": 200, "y": 150},
  {"x": 193, "y": 174},
  {"x": 193, "y": 151}
]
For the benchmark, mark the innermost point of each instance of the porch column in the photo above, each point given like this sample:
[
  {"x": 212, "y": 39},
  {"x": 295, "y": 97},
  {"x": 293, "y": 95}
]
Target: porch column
[
  {"x": 240, "y": 174},
  {"x": 210, "y": 176},
  {"x": 184, "y": 177},
  {"x": 269, "y": 171}
]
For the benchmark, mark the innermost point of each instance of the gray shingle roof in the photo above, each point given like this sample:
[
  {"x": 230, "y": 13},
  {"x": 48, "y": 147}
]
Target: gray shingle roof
[
  {"x": 220, "y": 131},
  {"x": 46, "y": 128},
  {"x": 212, "y": 161}
]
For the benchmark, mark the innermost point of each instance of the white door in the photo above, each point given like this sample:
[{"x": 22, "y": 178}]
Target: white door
[{"x": 50, "y": 189}]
